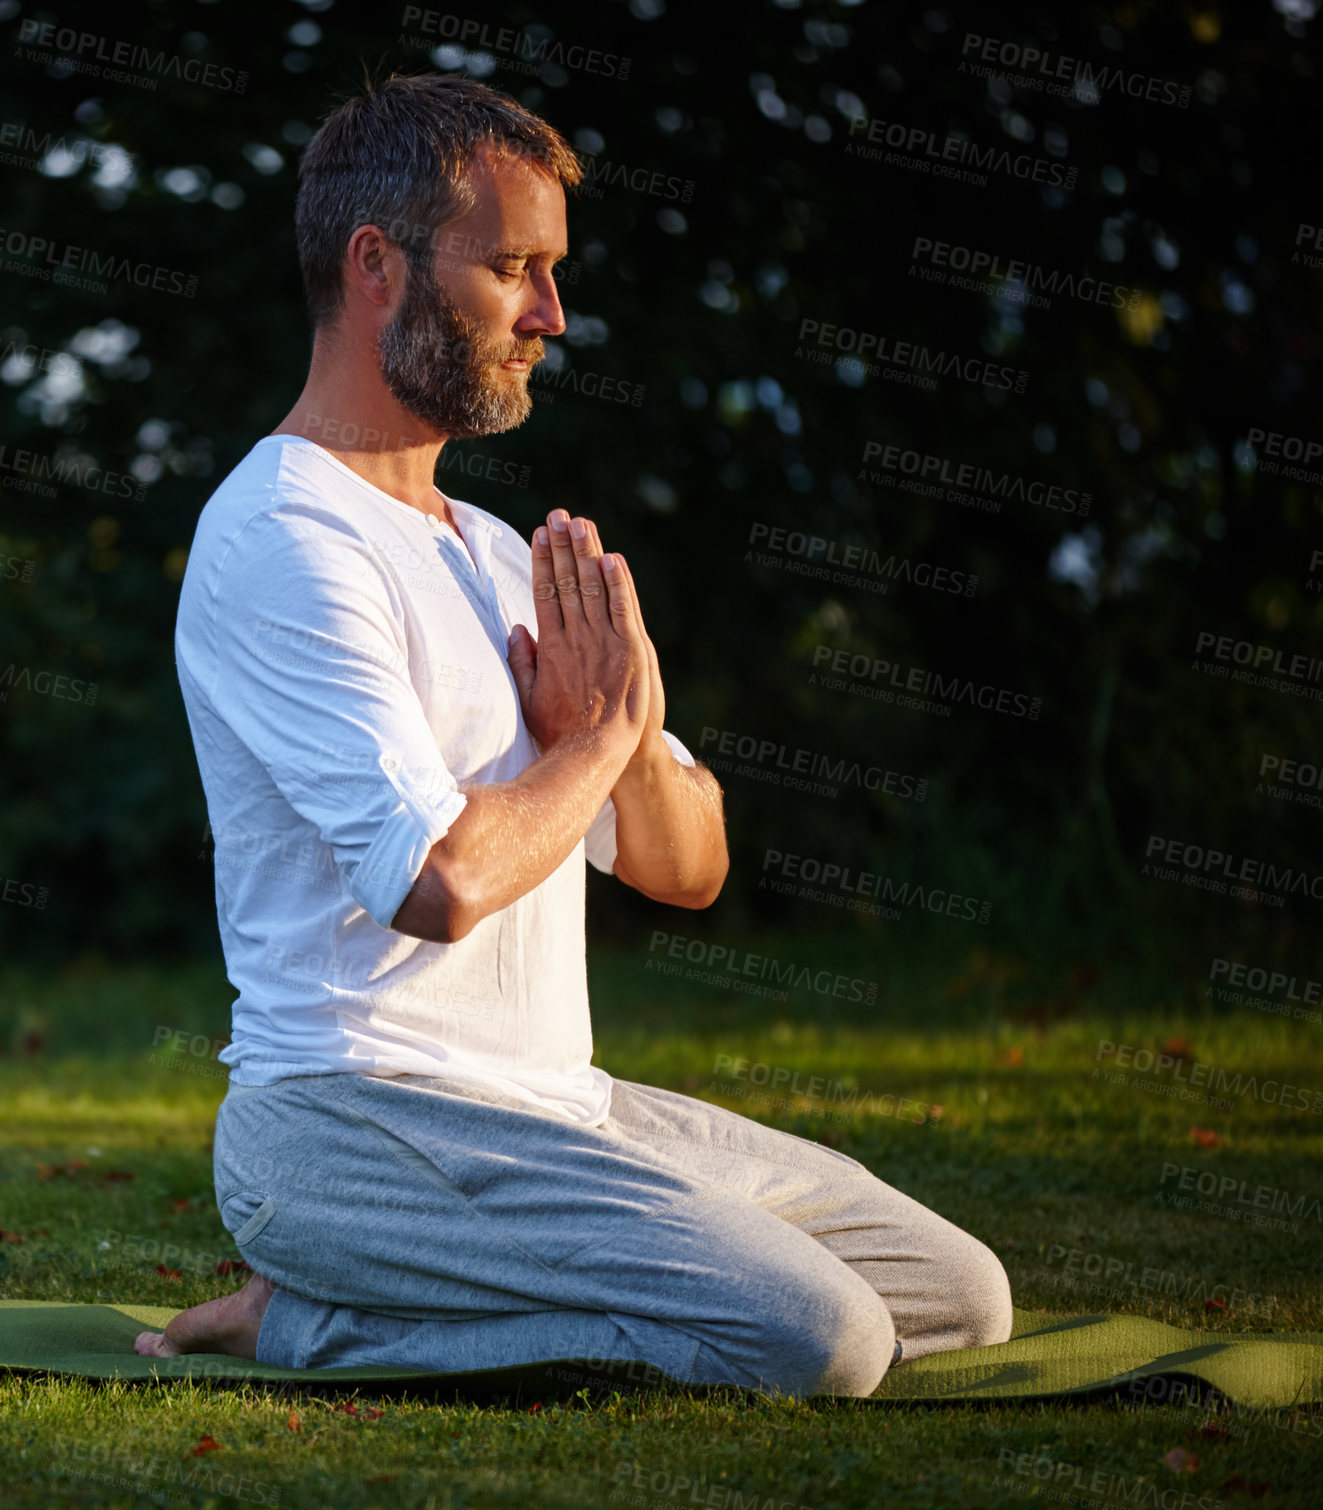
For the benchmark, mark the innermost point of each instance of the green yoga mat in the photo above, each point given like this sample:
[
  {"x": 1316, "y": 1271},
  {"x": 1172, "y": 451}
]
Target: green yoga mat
[{"x": 1047, "y": 1356}]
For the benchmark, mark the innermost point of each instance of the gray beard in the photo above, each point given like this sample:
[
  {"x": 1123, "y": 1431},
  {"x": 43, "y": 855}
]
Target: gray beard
[{"x": 439, "y": 368}]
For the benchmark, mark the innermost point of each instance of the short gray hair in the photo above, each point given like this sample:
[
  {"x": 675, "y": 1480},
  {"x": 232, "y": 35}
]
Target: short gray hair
[{"x": 398, "y": 156}]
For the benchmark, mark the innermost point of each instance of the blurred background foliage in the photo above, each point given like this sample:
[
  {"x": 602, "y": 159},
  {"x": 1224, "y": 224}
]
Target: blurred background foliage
[{"x": 699, "y": 294}]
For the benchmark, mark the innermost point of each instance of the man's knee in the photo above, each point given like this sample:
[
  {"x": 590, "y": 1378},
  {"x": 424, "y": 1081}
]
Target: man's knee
[
  {"x": 979, "y": 1282},
  {"x": 836, "y": 1340}
]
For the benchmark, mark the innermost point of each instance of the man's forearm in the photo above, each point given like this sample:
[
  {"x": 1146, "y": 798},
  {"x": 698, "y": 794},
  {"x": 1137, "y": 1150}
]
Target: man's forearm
[
  {"x": 510, "y": 837},
  {"x": 670, "y": 829}
]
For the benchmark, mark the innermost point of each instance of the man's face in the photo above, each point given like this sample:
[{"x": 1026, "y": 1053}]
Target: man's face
[{"x": 459, "y": 357}]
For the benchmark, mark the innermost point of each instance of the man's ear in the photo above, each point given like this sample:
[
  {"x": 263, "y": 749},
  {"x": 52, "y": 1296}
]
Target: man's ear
[{"x": 374, "y": 267}]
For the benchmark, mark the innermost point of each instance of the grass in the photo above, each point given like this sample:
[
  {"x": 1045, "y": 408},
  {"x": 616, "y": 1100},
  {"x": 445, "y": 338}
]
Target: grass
[{"x": 973, "y": 1089}]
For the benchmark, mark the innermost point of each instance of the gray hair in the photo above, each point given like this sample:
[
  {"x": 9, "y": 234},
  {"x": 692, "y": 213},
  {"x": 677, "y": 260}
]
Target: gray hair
[{"x": 398, "y": 157}]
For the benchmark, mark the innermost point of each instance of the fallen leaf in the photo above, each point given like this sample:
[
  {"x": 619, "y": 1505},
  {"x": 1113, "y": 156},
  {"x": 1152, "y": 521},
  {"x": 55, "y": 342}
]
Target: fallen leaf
[
  {"x": 372, "y": 1413},
  {"x": 207, "y": 1444},
  {"x": 1177, "y": 1046},
  {"x": 1180, "y": 1461},
  {"x": 1214, "y": 1305},
  {"x": 116, "y": 1175},
  {"x": 1013, "y": 1058},
  {"x": 9, "y": 1237},
  {"x": 1205, "y": 1137},
  {"x": 232, "y": 1265},
  {"x": 171, "y": 1274},
  {"x": 1212, "y": 1431},
  {"x": 1237, "y": 1485},
  {"x": 182, "y": 1204},
  {"x": 48, "y": 1171},
  {"x": 295, "y": 1422}
]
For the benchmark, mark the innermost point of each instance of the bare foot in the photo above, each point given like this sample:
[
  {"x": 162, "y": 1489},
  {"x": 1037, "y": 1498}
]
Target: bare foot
[{"x": 229, "y": 1324}]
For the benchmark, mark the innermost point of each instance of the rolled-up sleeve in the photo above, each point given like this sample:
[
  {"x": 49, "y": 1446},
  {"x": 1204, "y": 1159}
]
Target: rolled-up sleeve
[
  {"x": 311, "y": 672},
  {"x": 599, "y": 843}
]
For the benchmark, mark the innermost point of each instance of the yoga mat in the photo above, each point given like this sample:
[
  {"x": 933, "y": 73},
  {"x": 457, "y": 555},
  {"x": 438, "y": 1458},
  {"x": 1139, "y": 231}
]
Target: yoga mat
[{"x": 1048, "y": 1356}]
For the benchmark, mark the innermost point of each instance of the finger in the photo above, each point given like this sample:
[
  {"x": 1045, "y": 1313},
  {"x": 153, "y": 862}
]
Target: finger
[
  {"x": 634, "y": 595},
  {"x": 592, "y": 586},
  {"x": 620, "y": 597},
  {"x": 654, "y": 666},
  {"x": 566, "y": 570},
  {"x": 595, "y": 538},
  {"x": 522, "y": 657},
  {"x": 546, "y": 600}
]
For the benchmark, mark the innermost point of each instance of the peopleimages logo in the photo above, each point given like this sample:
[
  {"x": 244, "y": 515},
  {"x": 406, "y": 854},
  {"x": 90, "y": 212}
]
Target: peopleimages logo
[
  {"x": 853, "y": 565},
  {"x": 931, "y": 476},
  {"x": 938, "y": 155},
  {"x": 529, "y": 53},
  {"x": 1259, "y": 665},
  {"x": 1279, "y": 450},
  {"x": 28, "y": 471},
  {"x": 1281, "y": 993},
  {"x": 1033, "y": 282},
  {"x": 1034, "y": 68},
  {"x": 1259, "y": 1197},
  {"x": 31, "y": 150},
  {"x": 812, "y": 763},
  {"x": 729, "y": 959},
  {"x": 1312, "y": 234},
  {"x": 1121, "y": 1278},
  {"x": 1195, "y": 1073},
  {"x": 1211, "y": 869},
  {"x": 600, "y": 172},
  {"x": 112, "y": 64},
  {"x": 38, "y": 255},
  {"x": 871, "y": 676},
  {"x": 1107, "y": 1486},
  {"x": 842, "y": 887},
  {"x": 827, "y": 343},
  {"x": 1272, "y": 981}
]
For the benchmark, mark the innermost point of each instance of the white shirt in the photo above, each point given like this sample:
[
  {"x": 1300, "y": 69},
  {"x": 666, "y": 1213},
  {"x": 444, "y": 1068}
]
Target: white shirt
[{"x": 343, "y": 664}]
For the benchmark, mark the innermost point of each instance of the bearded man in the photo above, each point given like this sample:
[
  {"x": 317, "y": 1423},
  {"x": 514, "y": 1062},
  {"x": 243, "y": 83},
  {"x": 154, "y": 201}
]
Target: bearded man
[{"x": 413, "y": 729}]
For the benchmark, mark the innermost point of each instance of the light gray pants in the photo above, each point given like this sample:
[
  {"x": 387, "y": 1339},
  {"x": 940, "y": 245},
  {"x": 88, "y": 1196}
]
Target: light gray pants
[{"x": 430, "y": 1224}]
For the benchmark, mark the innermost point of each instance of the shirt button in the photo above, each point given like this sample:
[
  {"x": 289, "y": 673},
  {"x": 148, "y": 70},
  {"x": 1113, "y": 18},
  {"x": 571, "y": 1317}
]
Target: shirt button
[{"x": 432, "y": 519}]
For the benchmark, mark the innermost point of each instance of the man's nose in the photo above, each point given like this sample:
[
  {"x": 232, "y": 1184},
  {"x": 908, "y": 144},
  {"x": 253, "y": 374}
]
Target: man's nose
[{"x": 545, "y": 318}]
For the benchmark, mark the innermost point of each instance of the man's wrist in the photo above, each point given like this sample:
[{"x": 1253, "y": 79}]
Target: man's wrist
[{"x": 646, "y": 766}]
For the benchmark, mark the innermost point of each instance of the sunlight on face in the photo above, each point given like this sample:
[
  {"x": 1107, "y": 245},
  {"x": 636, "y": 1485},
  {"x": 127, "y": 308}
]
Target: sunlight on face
[
  {"x": 438, "y": 365},
  {"x": 442, "y": 355}
]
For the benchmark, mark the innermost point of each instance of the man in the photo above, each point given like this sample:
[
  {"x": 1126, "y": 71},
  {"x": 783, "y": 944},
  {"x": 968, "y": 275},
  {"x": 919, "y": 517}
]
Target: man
[{"x": 414, "y": 1153}]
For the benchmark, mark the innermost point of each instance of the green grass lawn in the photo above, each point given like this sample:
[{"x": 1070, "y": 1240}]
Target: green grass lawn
[{"x": 969, "y": 1083}]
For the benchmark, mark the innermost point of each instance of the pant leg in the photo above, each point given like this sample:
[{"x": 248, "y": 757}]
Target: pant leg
[
  {"x": 942, "y": 1287},
  {"x": 481, "y": 1232}
]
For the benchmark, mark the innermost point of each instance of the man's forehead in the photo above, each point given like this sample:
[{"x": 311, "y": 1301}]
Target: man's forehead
[{"x": 518, "y": 212}]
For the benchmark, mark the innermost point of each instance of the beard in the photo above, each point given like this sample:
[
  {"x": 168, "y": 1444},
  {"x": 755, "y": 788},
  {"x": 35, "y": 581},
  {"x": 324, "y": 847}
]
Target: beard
[{"x": 440, "y": 368}]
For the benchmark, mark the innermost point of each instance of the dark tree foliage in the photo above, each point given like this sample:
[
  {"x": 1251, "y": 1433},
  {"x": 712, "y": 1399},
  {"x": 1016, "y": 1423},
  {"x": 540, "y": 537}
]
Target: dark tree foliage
[{"x": 772, "y": 245}]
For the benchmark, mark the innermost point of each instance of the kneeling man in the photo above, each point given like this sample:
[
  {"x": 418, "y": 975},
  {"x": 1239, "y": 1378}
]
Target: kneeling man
[{"x": 415, "y": 1154}]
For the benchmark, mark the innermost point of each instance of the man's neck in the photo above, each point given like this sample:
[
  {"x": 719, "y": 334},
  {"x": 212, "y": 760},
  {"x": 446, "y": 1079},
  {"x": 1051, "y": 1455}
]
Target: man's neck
[
  {"x": 348, "y": 410},
  {"x": 400, "y": 461}
]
